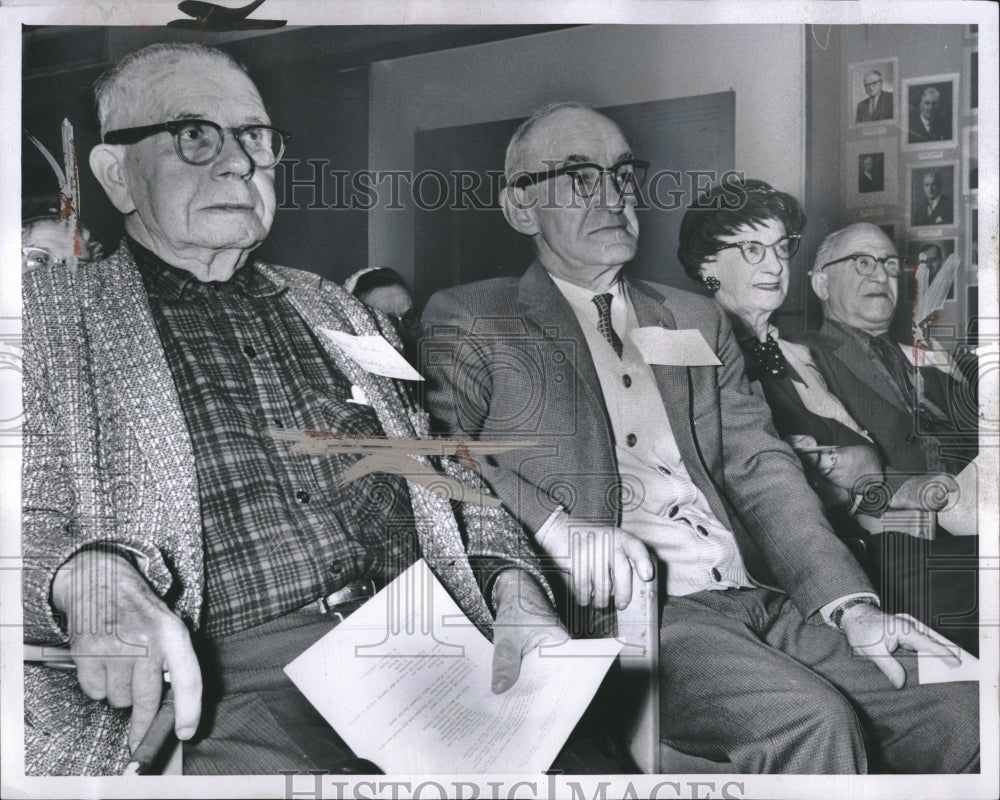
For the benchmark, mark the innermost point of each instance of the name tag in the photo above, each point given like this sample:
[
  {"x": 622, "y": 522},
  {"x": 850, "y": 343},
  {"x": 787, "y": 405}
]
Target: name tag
[
  {"x": 374, "y": 354},
  {"x": 686, "y": 348}
]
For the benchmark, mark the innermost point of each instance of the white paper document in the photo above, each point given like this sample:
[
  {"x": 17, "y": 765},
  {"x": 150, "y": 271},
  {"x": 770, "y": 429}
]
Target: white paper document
[
  {"x": 406, "y": 682},
  {"x": 374, "y": 354},
  {"x": 684, "y": 348},
  {"x": 931, "y": 669}
]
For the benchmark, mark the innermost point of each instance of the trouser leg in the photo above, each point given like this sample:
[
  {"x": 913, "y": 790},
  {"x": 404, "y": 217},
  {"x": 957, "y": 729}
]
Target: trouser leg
[
  {"x": 254, "y": 719},
  {"x": 726, "y": 694}
]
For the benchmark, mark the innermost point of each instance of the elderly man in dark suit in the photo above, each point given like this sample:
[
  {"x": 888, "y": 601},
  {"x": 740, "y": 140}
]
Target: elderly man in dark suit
[
  {"x": 927, "y": 121},
  {"x": 651, "y": 438},
  {"x": 935, "y": 207},
  {"x": 878, "y": 106},
  {"x": 165, "y": 528},
  {"x": 855, "y": 275}
]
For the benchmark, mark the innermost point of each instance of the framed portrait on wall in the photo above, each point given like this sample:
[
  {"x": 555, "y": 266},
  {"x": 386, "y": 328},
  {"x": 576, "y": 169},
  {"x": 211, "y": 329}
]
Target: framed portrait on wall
[
  {"x": 970, "y": 159},
  {"x": 931, "y": 255},
  {"x": 871, "y": 92},
  {"x": 970, "y": 92},
  {"x": 972, "y": 237},
  {"x": 870, "y": 169},
  {"x": 931, "y": 116},
  {"x": 932, "y": 192}
]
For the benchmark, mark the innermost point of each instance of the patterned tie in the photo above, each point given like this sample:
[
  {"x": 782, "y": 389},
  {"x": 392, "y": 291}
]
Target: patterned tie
[{"x": 603, "y": 303}]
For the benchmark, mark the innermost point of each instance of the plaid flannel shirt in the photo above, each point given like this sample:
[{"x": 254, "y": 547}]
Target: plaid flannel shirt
[{"x": 279, "y": 528}]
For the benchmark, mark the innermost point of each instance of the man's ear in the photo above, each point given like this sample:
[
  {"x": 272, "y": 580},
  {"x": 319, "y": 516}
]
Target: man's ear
[
  {"x": 519, "y": 210},
  {"x": 106, "y": 164},
  {"x": 819, "y": 280}
]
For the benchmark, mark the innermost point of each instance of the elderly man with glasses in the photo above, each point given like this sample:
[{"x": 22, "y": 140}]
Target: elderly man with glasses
[
  {"x": 650, "y": 440},
  {"x": 878, "y": 105},
  {"x": 165, "y": 527},
  {"x": 922, "y": 418}
]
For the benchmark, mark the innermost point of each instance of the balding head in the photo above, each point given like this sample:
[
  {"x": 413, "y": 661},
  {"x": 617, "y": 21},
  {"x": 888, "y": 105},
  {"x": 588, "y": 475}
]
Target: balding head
[{"x": 865, "y": 302}]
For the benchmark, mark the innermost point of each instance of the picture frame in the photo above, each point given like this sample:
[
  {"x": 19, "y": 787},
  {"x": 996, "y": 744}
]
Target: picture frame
[
  {"x": 922, "y": 189},
  {"x": 886, "y": 111},
  {"x": 945, "y": 247},
  {"x": 883, "y": 188},
  {"x": 933, "y": 125},
  {"x": 970, "y": 159},
  {"x": 970, "y": 87}
]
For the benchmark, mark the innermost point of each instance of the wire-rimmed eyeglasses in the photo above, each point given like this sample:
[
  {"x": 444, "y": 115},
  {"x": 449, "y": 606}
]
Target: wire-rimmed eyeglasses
[
  {"x": 199, "y": 141},
  {"x": 628, "y": 175},
  {"x": 864, "y": 263},
  {"x": 753, "y": 252}
]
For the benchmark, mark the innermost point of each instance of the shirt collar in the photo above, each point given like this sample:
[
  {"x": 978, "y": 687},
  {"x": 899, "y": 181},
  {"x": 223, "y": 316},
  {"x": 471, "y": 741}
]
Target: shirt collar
[
  {"x": 581, "y": 296},
  {"x": 170, "y": 283}
]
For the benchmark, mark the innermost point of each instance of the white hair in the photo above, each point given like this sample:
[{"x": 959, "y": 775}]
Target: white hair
[
  {"x": 124, "y": 87},
  {"x": 514, "y": 159}
]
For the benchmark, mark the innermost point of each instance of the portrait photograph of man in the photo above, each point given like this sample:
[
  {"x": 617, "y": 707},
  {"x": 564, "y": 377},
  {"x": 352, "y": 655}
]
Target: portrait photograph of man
[
  {"x": 871, "y": 91},
  {"x": 871, "y": 173},
  {"x": 931, "y": 104},
  {"x": 929, "y": 255},
  {"x": 932, "y": 195}
]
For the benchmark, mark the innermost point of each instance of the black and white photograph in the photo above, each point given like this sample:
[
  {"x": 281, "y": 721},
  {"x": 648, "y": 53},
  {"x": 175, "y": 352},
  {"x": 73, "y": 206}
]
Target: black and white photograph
[
  {"x": 931, "y": 111},
  {"x": 871, "y": 173},
  {"x": 932, "y": 194},
  {"x": 426, "y": 400},
  {"x": 872, "y": 91},
  {"x": 971, "y": 91},
  {"x": 926, "y": 257},
  {"x": 871, "y": 179},
  {"x": 970, "y": 160}
]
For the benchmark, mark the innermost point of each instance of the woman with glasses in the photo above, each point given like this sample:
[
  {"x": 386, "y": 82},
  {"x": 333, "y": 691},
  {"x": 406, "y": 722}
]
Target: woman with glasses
[{"x": 738, "y": 240}]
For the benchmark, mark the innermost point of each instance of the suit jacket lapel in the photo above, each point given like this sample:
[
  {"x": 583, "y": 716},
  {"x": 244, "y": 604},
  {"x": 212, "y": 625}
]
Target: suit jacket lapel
[
  {"x": 132, "y": 374},
  {"x": 543, "y": 304},
  {"x": 850, "y": 352}
]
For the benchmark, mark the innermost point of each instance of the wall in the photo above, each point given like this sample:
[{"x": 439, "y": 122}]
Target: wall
[
  {"x": 603, "y": 65},
  {"x": 921, "y": 50}
]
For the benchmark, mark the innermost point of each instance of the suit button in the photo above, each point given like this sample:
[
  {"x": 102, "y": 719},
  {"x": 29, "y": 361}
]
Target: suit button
[
  {"x": 716, "y": 575},
  {"x": 703, "y": 532},
  {"x": 278, "y": 423},
  {"x": 336, "y": 567},
  {"x": 251, "y": 353},
  {"x": 627, "y": 380},
  {"x": 911, "y": 438},
  {"x": 630, "y": 440},
  {"x": 302, "y": 496}
]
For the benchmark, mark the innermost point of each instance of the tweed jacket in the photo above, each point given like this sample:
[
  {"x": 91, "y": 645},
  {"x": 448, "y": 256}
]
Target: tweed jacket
[
  {"x": 508, "y": 356},
  {"x": 107, "y": 457}
]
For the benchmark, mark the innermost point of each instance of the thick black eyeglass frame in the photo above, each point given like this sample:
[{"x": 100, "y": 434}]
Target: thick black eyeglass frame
[
  {"x": 174, "y": 126},
  {"x": 639, "y": 168},
  {"x": 793, "y": 240},
  {"x": 853, "y": 258}
]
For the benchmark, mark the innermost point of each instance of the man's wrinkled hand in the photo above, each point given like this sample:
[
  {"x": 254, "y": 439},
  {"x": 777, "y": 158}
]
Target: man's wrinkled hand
[
  {"x": 600, "y": 561},
  {"x": 123, "y": 638},
  {"x": 876, "y": 635},
  {"x": 525, "y": 619}
]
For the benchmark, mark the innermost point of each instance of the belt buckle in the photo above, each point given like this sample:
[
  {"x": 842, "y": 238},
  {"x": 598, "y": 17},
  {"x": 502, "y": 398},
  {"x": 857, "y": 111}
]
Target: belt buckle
[{"x": 355, "y": 590}]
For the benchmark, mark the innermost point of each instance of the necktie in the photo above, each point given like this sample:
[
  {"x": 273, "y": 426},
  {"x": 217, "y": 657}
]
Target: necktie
[
  {"x": 603, "y": 303},
  {"x": 901, "y": 372},
  {"x": 874, "y": 102}
]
